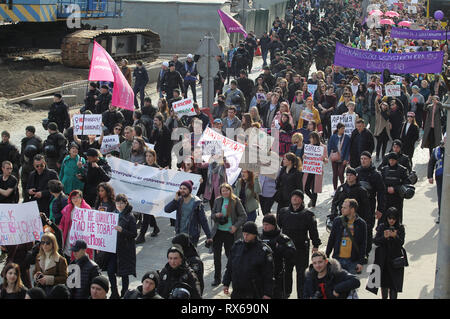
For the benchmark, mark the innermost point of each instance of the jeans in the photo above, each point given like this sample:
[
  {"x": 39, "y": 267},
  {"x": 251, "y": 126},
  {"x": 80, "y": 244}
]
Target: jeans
[
  {"x": 141, "y": 91},
  {"x": 264, "y": 54},
  {"x": 227, "y": 240},
  {"x": 348, "y": 264}
]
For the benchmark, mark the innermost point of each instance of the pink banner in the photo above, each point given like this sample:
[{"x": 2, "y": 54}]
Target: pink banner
[
  {"x": 231, "y": 24},
  {"x": 104, "y": 68}
]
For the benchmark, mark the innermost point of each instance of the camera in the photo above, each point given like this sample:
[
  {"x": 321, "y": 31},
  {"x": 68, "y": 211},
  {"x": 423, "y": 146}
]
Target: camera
[
  {"x": 317, "y": 295},
  {"x": 223, "y": 220}
]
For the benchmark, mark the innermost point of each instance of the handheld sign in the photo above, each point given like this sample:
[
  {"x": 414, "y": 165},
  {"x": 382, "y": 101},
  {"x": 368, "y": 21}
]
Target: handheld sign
[
  {"x": 20, "y": 223},
  {"x": 110, "y": 143},
  {"x": 392, "y": 90},
  {"x": 312, "y": 162},
  {"x": 184, "y": 107},
  {"x": 312, "y": 88},
  {"x": 87, "y": 124}
]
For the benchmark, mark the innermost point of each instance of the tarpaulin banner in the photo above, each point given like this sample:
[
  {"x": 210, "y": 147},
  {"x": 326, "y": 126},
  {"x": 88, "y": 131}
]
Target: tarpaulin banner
[
  {"x": 400, "y": 33},
  {"x": 148, "y": 188},
  {"x": 231, "y": 24},
  {"x": 96, "y": 228},
  {"x": 415, "y": 62},
  {"x": 123, "y": 95},
  {"x": 20, "y": 223}
]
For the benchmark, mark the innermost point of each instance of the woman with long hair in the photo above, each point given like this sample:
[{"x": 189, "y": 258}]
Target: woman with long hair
[
  {"x": 105, "y": 200},
  {"x": 297, "y": 146},
  {"x": 228, "y": 215},
  {"x": 247, "y": 189},
  {"x": 326, "y": 106},
  {"x": 312, "y": 183},
  {"x": 163, "y": 108},
  {"x": 289, "y": 178},
  {"x": 246, "y": 122},
  {"x": 12, "y": 287},
  {"x": 409, "y": 135},
  {"x": 138, "y": 148},
  {"x": 254, "y": 113},
  {"x": 339, "y": 153},
  {"x": 51, "y": 267},
  {"x": 284, "y": 108}
]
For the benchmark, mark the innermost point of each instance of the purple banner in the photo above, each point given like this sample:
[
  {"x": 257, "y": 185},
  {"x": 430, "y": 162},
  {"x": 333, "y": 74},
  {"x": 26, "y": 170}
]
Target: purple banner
[
  {"x": 418, "y": 34},
  {"x": 416, "y": 62},
  {"x": 231, "y": 24}
]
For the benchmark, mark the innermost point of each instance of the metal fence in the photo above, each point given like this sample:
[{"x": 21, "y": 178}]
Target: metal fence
[{"x": 77, "y": 90}]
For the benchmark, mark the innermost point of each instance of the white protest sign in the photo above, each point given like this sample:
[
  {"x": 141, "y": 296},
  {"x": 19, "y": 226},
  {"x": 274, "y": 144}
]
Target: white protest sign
[
  {"x": 347, "y": 119},
  {"x": 312, "y": 161},
  {"x": 233, "y": 152},
  {"x": 397, "y": 78},
  {"x": 260, "y": 96},
  {"x": 20, "y": 223},
  {"x": 150, "y": 146},
  {"x": 312, "y": 88},
  {"x": 110, "y": 143},
  {"x": 148, "y": 189},
  {"x": 184, "y": 107},
  {"x": 413, "y": 1},
  {"x": 392, "y": 90},
  {"x": 96, "y": 228},
  {"x": 87, "y": 124}
]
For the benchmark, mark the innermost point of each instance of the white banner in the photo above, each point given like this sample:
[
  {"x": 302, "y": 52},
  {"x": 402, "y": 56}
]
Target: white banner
[
  {"x": 184, "y": 107},
  {"x": 392, "y": 90},
  {"x": 348, "y": 120},
  {"x": 148, "y": 189},
  {"x": 233, "y": 152},
  {"x": 312, "y": 162},
  {"x": 110, "y": 143},
  {"x": 87, "y": 124},
  {"x": 20, "y": 223},
  {"x": 96, "y": 228}
]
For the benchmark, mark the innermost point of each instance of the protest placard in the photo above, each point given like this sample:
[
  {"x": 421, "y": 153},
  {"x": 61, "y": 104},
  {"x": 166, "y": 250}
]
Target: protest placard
[
  {"x": 87, "y": 124},
  {"x": 211, "y": 147},
  {"x": 150, "y": 146},
  {"x": 148, "y": 188},
  {"x": 307, "y": 115},
  {"x": 232, "y": 151},
  {"x": 261, "y": 96},
  {"x": 20, "y": 223},
  {"x": 184, "y": 107},
  {"x": 348, "y": 120},
  {"x": 312, "y": 161},
  {"x": 96, "y": 228},
  {"x": 393, "y": 90},
  {"x": 110, "y": 143},
  {"x": 312, "y": 88}
]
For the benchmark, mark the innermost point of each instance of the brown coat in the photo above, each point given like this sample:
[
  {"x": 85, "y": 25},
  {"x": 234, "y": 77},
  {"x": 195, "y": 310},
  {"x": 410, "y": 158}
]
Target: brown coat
[
  {"x": 56, "y": 271},
  {"x": 127, "y": 73},
  {"x": 437, "y": 126}
]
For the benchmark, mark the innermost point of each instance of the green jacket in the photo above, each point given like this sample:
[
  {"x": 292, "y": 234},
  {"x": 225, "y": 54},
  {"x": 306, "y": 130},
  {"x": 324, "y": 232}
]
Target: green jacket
[
  {"x": 251, "y": 198},
  {"x": 68, "y": 174},
  {"x": 125, "y": 150}
]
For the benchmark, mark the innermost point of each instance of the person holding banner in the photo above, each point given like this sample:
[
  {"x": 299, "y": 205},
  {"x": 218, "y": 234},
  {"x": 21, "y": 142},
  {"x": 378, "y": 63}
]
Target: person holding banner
[
  {"x": 51, "y": 267},
  {"x": 72, "y": 166},
  {"x": 12, "y": 287}
]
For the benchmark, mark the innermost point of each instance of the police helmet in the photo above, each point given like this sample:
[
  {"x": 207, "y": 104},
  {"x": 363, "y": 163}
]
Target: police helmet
[
  {"x": 50, "y": 150},
  {"x": 181, "y": 290},
  {"x": 30, "y": 150},
  {"x": 407, "y": 191},
  {"x": 412, "y": 178}
]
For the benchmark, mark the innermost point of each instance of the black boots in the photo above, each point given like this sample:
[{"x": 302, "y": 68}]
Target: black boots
[
  {"x": 141, "y": 238},
  {"x": 114, "y": 293},
  {"x": 155, "y": 231}
]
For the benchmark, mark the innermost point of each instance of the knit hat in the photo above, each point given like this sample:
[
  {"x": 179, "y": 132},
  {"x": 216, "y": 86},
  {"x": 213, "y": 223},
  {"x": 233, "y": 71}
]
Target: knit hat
[
  {"x": 250, "y": 227},
  {"x": 52, "y": 126},
  {"x": 270, "y": 219},
  {"x": 298, "y": 192},
  {"x": 176, "y": 249},
  {"x": 102, "y": 282},
  {"x": 411, "y": 114},
  {"x": 166, "y": 64},
  {"x": 92, "y": 152},
  {"x": 36, "y": 293},
  {"x": 415, "y": 87},
  {"x": 392, "y": 155},
  {"x": 59, "y": 292},
  {"x": 351, "y": 170},
  {"x": 189, "y": 184},
  {"x": 398, "y": 143},
  {"x": 367, "y": 154},
  {"x": 153, "y": 275}
]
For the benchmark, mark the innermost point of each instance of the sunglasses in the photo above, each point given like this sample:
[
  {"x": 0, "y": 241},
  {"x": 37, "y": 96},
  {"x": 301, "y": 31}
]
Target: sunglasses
[{"x": 46, "y": 242}]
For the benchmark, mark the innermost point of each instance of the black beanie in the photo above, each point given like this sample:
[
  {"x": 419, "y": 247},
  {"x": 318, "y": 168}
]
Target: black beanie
[
  {"x": 36, "y": 293},
  {"x": 398, "y": 143},
  {"x": 153, "y": 275},
  {"x": 250, "y": 227},
  {"x": 270, "y": 219},
  {"x": 181, "y": 239},
  {"x": 299, "y": 193},
  {"x": 367, "y": 154},
  {"x": 59, "y": 292},
  {"x": 351, "y": 170},
  {"x": 176, "y": 249},
  {"x": 102, "y": 282}
]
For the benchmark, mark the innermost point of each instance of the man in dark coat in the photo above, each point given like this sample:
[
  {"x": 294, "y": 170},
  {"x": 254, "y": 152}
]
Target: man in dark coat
[
  {"x": 264, "y": 42},
  {"x": 37, "y": 185},
  {"x": 54, "y": 147},
  {"x": 241, "y": 58},
  {"x": 250, "y": 46},
  {"x": 147, "y": 290},
  {"x": 325, "y": 279},
  {"x": 172, "y": 80},
  {"x": 91, "y": 96},
  {"x": 87, "y": 271},
  {"x": 59, "y": 113},
  {"x": 161, "y": 138},
  {"x": 112, "y": 117},
  {"x": 189, "y": 74},
  {"x": 268, "y": 78},
  {"x": 360, "y": 141},
  {"x": 140, "y": 82},
  {"x": 403, "y": 159},
  {"x": 246, "y": 85},
  {"x": 31, "y": 145},
  {"x": 9, "y": 152},
  {"x": 103, "y": 100}
]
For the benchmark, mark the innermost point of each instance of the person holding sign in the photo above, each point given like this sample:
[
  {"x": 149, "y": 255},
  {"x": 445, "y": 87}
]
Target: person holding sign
[
  {"x": 310, "y": 113},
  {"x": 339, "y": 153},
  {"x": 91, "y": 142},
  {"x": 70, "y": 167}
]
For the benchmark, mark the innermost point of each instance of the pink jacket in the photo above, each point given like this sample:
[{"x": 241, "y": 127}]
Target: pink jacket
[{"x": 66, "y": 222}]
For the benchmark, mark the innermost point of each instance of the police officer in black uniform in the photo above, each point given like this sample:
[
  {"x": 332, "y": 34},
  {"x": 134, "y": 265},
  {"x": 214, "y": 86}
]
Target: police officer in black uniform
[
  {"x": 403, "y": 159},
  {"x": 296, "y": 222},
  {"x": 249, "y": 267},
  {"x": 394, "y": 176},
  {"x": 9, "y": 152},
  {"x": 59, "y": 113},
  {"x": 31, "y": 145},
  {"x": 54, "y": 147},
  {"x": 370, "y": 179},
  {"x": 283, "y": 250}
]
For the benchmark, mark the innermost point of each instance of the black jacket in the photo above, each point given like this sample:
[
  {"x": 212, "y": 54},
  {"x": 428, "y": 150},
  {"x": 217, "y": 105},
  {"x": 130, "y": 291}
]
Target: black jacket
[
  {"x": 241, "y": 59},
  {"x": 111, "y": 118},
  {"x": 269, "y": 80},
  {"x": 357, "y": 192},
  {"x": 336, "y": 279},
  {"x": 183, "y": 274},
  {"x": 283, "y": 249},
  {"x": 402, "y": 160},
  {"x": 88, "y": 271},
  {"x": 40, "y": 184},
  {"x": 394, "y": 176},
  {"x": 137, "y": 294},
  {"x": 265, "y": 43},
  {"x": 55, "y": 146},
  {"x": 58, "y": 204},
  {"x": 141, "y": 77},
  {"x": 410, "y": 138},
  {"x": 92, "y": 177},
  {"x": 89, "y": 100},
  {"x": 126, "y": 244},
  {"x": 288, "y": 182},
  {"x": 246, "y": 86},
  {"x": 171, "y": 81},
  {"x": 372, "y": 181},
  {"x": 296, "y": 224},
  {"x": 9, "y": 152},
  {"x": 36, "y": 141},
  {"x": 360, "y": 236},
  {"x": 360, "y": 142},
  {"x": 163, "y": 145},
  {"x": 250, "y": 269},
  {"x": 59, "y": 113},
  {"x": 103, "y": 103}
]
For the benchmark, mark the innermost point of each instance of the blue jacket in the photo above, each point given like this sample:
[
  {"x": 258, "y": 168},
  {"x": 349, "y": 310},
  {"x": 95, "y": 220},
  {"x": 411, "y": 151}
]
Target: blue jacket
[
  {"x": 198, "y": 218},
  {"x": 333, "y": 145}
]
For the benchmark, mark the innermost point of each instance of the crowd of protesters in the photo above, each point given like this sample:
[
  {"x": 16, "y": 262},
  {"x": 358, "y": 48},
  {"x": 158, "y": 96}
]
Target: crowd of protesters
[{"x": 66, "y": 171}]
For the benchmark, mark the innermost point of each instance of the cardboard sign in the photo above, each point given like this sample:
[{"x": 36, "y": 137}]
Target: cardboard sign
[
  {"x": 110, "y": 143},
  {"x": 96, "y": 228},
  {"x": 87, "y": 124},
  {"x": 20, "y": 223},
  {"x": 349, "y": 120},
  {"x": 312, "y": 161},
  {"x": 261, "y": 96},
  {"x": 393, "y": 90},
  {"x": 184, "y": 107}
]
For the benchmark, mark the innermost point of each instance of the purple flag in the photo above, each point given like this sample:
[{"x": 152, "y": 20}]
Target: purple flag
[
  {"x": 231, "y": 24},
  {"x": 416, "y": 62},
  {"x": 419, "y": 34}
]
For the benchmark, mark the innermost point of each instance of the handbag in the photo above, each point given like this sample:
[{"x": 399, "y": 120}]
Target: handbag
[
  {"x": 399, "y": 262},
  {"x": 336, "y": 156}
]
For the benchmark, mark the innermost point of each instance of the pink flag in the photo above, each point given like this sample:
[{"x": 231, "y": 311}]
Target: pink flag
[
  {"x": 104, "y": 68},
  {"x": 231, "y": 24}
]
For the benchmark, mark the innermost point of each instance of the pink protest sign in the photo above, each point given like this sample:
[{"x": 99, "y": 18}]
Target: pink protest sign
[
  {"x": 20, "y": 223},
  {"x": 231, "y": 24},
  {"x": 104, "y": 68}
]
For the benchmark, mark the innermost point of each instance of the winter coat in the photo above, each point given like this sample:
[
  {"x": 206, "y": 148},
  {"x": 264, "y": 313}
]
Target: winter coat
[
  {"x": 40, "y": 184},
  {"x": 381, "y": 122},
  {"x": 336, "y": 279},
  {"x": 56, "y": 271},
  {"x": 172, "y": 81},
  {"x": 287, "y": 182},
  {"x": 360, "y": 142},
  {"x": 197, "y": 218},
  {"x": 125, "y": 150},
  {"x": 410, "y": 138},
  {"x": 251, "y": 197},
  {"x": 238, "y": 216},
  {"x": 333, "y": 146},
  {"x": 59, "y": 113},
  {"x": 387, "y": 250},
  {"x": 141, "y": 76},
  {"x": 137, "y": 294},
  {"x": 126, "y": 71},
  {"x": 437, "y": 126},
  {"x": 163, "y": 145},
  {"x": 68, "y": 173},
  {"x": 94, "y": 176},
  {"x": 88, "y": 271},
  {"x": 58, "y": 204},
  {"x": 183, "y": 274},
  {"x": 318, "y": 179},
  {"x": 111, "y": 118},
  {"x": 126, "y": 244}
]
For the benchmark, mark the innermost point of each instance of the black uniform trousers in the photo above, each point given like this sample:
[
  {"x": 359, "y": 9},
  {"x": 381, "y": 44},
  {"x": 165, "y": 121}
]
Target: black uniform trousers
[{"x": 301, "y": 263}]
